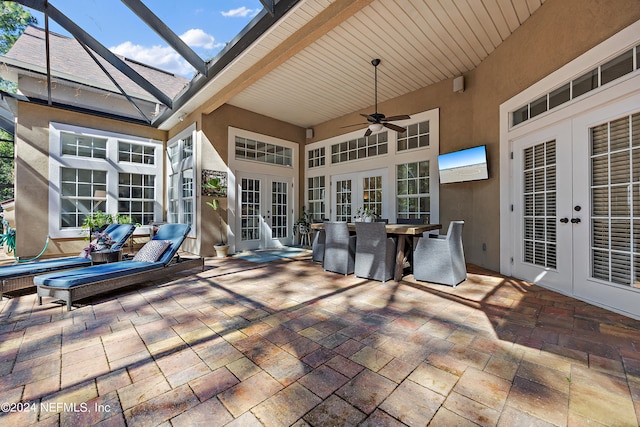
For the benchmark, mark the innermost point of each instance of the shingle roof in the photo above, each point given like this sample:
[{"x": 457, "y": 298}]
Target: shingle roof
[{"x": 70, "y": 58}]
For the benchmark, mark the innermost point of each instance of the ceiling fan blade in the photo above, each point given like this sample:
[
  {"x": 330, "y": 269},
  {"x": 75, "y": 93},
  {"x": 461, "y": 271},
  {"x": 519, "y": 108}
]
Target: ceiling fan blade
[
  {"x": 368, "y": 132},
  {"x": 394, "y": 118},
  {"x": 395, "y": 127},
  {"x": 368, "y": 117},
  {"x": 355, "y": 124}
]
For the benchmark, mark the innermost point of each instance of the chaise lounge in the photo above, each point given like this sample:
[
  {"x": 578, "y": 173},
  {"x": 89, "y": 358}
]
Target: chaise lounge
[
  {"x": 155, "y": 260},
  {"x": 20, "y": 276}
]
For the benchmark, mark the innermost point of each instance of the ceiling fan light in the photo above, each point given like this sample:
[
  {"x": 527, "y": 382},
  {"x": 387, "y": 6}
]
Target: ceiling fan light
[{"x": 375, "y": 127}]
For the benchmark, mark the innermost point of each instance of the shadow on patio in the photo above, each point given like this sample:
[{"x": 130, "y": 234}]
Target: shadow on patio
[{"x": 284, "y": 342}]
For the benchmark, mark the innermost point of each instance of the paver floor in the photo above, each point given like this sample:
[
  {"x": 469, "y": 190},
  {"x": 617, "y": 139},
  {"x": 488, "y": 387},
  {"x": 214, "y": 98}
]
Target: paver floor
[{"x": 285, "y": 343}]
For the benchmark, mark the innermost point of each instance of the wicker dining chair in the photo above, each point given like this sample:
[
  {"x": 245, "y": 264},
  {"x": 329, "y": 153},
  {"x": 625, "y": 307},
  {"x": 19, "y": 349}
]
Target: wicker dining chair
[
  {"x": 339, "y": 248},
  {"x": 375, "y": 252},
  {"x": 441, "y": 259},
  {"x": 317, "y": 247}
]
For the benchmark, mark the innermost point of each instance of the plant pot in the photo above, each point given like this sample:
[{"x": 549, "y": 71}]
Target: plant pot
[
  {"x": 221, "y": 250},
  {"x": 368, "y": 219}
]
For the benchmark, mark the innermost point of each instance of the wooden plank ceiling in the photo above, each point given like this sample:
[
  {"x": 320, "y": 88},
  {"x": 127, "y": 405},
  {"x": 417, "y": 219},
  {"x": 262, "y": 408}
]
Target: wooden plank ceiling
[{"x": 420, "y": 42}]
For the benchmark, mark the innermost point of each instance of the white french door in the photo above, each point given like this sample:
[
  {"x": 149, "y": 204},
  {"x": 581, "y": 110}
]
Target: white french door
[
  {"x": 265, "y": 213},
  {"x": 576, "y": 207},
  {"x": 542, "y": 208},
  {"x": 352, "y": 191}
]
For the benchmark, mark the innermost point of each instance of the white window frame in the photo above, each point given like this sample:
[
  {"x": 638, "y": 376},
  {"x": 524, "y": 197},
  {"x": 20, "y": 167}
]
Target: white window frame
[
  {"x": 184, "y": 164},
  {"x": 388, "y": 161},
  {"x": 621, "y": 87},
  {"x": 57, "y": 161},
  {"x": 248, "y": 167}
]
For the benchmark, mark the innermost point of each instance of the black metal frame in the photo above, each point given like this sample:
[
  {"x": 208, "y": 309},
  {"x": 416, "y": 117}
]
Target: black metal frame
[{"x": 207, "y": 70}]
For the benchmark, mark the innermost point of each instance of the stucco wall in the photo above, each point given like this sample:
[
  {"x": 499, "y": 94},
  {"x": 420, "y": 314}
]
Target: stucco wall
[
  {"x": 556, "y": 33},
  {"x": 215, "y": 132},
  {"x": 32, "y": 173}
]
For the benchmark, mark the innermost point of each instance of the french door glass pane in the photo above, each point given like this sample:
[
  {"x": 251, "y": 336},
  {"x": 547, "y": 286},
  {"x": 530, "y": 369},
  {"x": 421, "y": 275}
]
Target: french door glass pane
[
  {"x": 615, "y": 200},
  {"x": 343, "y": 200},
  {"x": 250, "y": 209},
  {"x": 279, "y": 202},
  {"x": 539, "y": 201}
]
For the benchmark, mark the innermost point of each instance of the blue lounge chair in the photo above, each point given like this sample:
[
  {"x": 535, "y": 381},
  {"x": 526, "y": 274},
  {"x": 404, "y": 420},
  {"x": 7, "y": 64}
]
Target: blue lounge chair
[
  {"x": 20, "y": 276},
  {"x": 84, "y": 282}
]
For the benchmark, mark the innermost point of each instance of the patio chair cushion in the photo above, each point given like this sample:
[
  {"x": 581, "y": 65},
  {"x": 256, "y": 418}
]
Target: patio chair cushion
[
  {"x": 176, "y": 233},
  {"x": 69, "y": 279},
  {"x": 152, "y": 250},
  {"x": 42, "y": 266}
]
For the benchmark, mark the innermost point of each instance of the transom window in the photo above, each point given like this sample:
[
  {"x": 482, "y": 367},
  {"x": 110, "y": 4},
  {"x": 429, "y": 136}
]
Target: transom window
[
  {"x": 611, "y": 70},
  {"x": 361, "y": 148},
  {"x": 83, "y": 145},
  {"x": 316, "y": 157},
  {"x": 135, "y": 153},
  {"x": 264, "y": 152},
  {"x": 416, "y": 136}
]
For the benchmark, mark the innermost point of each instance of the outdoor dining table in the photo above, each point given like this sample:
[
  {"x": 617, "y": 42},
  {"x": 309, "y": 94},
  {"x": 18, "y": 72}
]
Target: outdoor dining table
[{"x": 402, "y": 232}]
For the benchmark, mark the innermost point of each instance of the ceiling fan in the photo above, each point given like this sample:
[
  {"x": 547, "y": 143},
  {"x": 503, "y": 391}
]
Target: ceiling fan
[{"x": 377, "y": 121}]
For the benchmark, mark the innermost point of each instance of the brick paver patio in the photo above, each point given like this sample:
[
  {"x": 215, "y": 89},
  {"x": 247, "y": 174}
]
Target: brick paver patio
[{"x": 284, "y": 343}]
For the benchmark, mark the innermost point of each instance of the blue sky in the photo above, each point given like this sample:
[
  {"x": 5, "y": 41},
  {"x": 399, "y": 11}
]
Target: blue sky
[
  {"x": 205, "y": 25},
  {"x": 470, "y": 156}
]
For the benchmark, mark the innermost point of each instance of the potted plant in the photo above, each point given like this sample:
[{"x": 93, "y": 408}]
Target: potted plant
[
  {"x": 215, "y": 184},
  {"x": 302, "y": 225},
  {"x": 97, "y": 222},
  {"x": 364, "y": 214}
]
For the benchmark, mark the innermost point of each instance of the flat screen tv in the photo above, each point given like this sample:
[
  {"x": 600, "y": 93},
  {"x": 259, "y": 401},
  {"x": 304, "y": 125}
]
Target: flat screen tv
[{"x": 464, "y": 165}]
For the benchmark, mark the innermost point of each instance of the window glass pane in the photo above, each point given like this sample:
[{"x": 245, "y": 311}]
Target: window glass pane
[
  {"x": 617, "y": 67},
  {"x": 520, "y": 115},
  {"x": 560, "y": 96},
  {"x": 416, "y": 136},
  {"x": 585, "y": 83},
  {"x": 538, "y": 106},
  {"x": 412, "y": 183}
]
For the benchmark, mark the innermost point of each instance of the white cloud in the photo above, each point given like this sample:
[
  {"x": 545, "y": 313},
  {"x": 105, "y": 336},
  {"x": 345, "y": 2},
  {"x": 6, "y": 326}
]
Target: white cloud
[
  {"x": 241, "y": 12},
  {"x": 195, "y": 37},
  {"x": 162, "y": 57},
  {"x": 166, "y": 58}
]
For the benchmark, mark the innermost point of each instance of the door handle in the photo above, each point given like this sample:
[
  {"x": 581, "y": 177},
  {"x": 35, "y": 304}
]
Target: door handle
[
  {"x": 575, "y": 220},
  {"x": 564, "y": 220}
]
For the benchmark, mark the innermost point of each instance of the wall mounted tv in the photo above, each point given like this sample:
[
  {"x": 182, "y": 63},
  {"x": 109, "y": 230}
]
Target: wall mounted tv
[{"x": 464, "y": 165}]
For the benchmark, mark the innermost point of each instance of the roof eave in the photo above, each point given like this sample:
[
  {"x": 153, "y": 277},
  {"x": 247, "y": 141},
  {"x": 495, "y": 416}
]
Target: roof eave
[{"x": 245, "y": 39}]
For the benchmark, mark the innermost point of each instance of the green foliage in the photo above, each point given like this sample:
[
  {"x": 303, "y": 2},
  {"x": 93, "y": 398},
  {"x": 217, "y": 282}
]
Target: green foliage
[
  {"x": 215, "y": 184},
  {"x": 124, "y": 219},
  {"x": 97, "y": 220},
  {"x": 8, "y": 238},
  {"x": 6, "y": 165},
  {"x": 303, "y": 223},
  {"x": 13, "y": 20}
]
